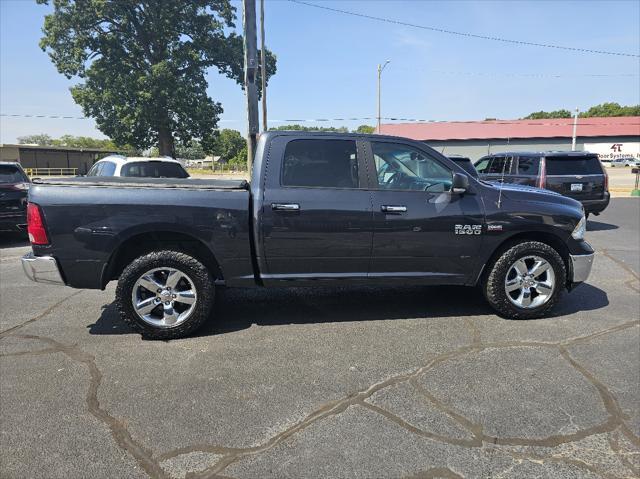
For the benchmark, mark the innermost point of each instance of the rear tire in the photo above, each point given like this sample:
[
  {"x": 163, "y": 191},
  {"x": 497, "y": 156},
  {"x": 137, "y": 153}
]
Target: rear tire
[
  {"x": 165, "y": 294},
  {"x": 518, "y": 282}
]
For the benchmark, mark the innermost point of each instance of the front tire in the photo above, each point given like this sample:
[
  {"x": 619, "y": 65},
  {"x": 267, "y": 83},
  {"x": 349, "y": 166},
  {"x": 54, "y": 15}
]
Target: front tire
[
  {"x": 165, "y": 294},
  {"x": 526, "y": 281}
]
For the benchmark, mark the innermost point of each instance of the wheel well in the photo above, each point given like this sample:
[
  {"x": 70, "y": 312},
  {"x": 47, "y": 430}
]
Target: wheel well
[
  {"x": 548, "y": 238},
  {"x": 144, "y": 243}
]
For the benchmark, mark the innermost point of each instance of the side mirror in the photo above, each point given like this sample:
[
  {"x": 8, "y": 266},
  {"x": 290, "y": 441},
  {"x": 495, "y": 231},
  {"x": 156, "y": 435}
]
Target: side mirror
[{"x": 460, "y": 183}]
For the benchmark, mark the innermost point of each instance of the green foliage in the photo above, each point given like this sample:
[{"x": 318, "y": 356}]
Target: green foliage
[
  {"x": 85, "y": 142},
  {"x": 192, "y": 151},
  {"x": 296, "y": 127},
  {"x": 228, "y": 145},
  {"x": 143, "y": 62},
  {"x": 605, "y": 109},
  {"x": 41, "y": 139},
  {"x": 365, "y": 129},
  {"x": 541, "y": 115},
  {"x": 611, "y": 109}
]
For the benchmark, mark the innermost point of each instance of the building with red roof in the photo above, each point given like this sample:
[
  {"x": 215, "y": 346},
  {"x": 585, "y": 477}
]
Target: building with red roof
[{"x": 474, "y": 139}]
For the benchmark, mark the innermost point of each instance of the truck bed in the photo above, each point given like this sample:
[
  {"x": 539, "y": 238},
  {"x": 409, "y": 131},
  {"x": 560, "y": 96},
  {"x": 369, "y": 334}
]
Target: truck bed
[{"x": 128, "y": 182}]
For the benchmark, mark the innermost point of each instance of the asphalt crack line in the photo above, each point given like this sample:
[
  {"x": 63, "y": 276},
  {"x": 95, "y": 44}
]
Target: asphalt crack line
[
  {"x": 232, "y": 455},
  {"x": 615, "y": 447},
  {"x": 8, "y": 331},
  {"x": 117, "y": 428},
  {"x": 436, "y": 473}
]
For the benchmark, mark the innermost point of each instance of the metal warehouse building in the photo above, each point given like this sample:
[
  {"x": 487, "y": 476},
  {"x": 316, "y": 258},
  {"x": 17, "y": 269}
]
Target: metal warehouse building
[
  {"x": 51, "y": 159},
  {"x": 610, "y": 138}
]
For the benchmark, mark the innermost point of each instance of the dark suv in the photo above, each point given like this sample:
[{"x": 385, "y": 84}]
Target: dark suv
[
  {"x": 577, "y": 174},
  {"x": 14, "y": 185}
]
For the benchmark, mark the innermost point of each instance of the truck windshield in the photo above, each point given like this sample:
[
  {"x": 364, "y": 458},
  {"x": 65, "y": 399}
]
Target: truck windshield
[
  {"x": 570, "y": 165},
  {"x": 154, "y": 169},
  {"x": 11, "y": 174}
]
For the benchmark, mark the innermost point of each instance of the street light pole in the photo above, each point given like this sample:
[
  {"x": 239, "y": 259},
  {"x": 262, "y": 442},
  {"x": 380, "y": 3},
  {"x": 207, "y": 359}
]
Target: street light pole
[
  {"x": 575, "y": 129},
  {"x": 380, "y": 69},
  {"x": 263, "y": 68}
]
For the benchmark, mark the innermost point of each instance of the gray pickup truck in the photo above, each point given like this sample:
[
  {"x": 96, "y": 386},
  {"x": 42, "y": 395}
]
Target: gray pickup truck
[{"x": 321, "y": 209}]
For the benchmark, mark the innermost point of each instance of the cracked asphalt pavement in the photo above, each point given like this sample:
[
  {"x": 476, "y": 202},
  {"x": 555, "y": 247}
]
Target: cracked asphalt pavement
[{"x": 302, "y": 383}]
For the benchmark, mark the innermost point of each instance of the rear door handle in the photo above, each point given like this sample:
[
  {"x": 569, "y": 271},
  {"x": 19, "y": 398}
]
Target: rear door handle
[
  {"x": 393, "y": 208},
  {"x": 285, "y": 206}
]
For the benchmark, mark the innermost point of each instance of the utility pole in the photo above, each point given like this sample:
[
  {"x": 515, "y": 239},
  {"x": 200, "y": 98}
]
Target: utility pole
[
  {"x": 575, "y": 129},
  {"x": 250, "y": 70},
  {"x": 380, "y": 69},
  {"x": 263, "y": 68}
]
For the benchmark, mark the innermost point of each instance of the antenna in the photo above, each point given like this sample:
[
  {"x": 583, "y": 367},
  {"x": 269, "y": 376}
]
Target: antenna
[{"x": 504, "y": 166}]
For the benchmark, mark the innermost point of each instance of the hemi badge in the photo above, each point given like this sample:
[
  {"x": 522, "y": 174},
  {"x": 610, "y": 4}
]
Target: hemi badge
[{"x": 494, "y": 227}]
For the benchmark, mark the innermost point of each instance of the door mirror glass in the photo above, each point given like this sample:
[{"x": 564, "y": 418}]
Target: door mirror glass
[{"x": 460, "y": 183}]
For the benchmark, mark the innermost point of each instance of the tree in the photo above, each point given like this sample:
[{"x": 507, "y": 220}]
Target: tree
[
  {"x": 296, "y": 127},
  {"x": 143, "y": 65},
  {"x": 605, "y": 109},
  {"x": 611, "y": 109},
  {"x": 228, "y": 144},
  {"x": 41, "y": 139},
  {"x": 366, "y": 129},
  {"x": 192, "y": 151},
  {"x": 541, "y": 115}
]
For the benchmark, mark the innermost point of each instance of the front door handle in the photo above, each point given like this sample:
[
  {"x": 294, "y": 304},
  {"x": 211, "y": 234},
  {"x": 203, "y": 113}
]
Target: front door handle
[
  {"x": 285, "y": 206},
  {"x": 393, "y": 208}
]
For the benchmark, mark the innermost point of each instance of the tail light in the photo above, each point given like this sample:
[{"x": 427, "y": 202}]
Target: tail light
[
  {"x": 606, "y": 180},
  {"x": 542, "y": 179},
  {"x": 35, "y": 225}
]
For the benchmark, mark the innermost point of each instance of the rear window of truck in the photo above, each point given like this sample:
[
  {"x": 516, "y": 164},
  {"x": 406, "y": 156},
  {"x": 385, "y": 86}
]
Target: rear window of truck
[
  {"x": 320, "y": 164},
  {"x": 573, "y": 165}
]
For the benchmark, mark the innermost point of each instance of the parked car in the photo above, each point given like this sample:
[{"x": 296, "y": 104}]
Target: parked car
[
  {"x": 576, "y": 174},
  {"x": 321, "y": 209},
  {"x": 14, "y": 185},
  {"x": 624, "y": 162},
  {"x": 466, "y": 163},
  {"x": 133, "y": 167}
]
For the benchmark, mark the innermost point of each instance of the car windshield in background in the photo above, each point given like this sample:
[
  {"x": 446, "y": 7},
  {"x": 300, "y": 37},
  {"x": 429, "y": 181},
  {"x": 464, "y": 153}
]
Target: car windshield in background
[
  {"x": 11, "y": 174},
  {"x": 572, "y": 165},
  {"x": 154, "y": 169}
]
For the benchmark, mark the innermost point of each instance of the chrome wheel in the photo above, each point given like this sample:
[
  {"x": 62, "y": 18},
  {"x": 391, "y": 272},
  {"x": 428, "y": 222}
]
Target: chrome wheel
[
  {"x": 164, "y": 297},
  {"x": 530, "y": 282}
]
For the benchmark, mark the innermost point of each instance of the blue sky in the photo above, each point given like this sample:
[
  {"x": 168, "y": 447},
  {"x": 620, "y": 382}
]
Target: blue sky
[{"x": 327, "y": 63}]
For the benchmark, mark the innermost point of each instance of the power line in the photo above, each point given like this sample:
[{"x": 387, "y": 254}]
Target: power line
[
  {"x": 541, "y": 122},
  {"x": 462, "y": 34}
]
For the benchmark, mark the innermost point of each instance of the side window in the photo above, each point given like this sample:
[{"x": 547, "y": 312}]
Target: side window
[
  {"x": 320, "y": 163},
  {"x": 528, "y": 165},
  {"x": 401, "y": 167},
  {"x": 483, "y": 165},
  {"x": 95, "y": 170},
  {"x": 500, "y": 164},
  {"x": 108, "y": 168}
]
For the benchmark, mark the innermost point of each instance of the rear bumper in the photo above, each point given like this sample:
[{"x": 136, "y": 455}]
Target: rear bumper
[
  {"x": 596, "y": 206},
  {"x": 42, "y": 269},
  {"x": 580, "y": 267}
]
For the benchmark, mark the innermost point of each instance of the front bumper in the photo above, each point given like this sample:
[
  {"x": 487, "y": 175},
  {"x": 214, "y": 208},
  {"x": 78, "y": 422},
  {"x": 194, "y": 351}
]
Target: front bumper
[
  {"x": 41, "y": 269},
  {"x": 580, "y": 267}
]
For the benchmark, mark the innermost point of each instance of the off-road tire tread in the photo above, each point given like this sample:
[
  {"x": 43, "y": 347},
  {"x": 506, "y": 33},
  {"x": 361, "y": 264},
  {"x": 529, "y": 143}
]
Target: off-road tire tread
[
  {"x": 157, "y": 259},
  {"x": 494, "y": 285}
]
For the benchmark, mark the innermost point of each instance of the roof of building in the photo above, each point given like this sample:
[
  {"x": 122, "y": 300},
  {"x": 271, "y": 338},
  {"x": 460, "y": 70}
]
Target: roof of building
[
  {"x": 495, "y": 129},
  {"x": 55, "y": 148}
]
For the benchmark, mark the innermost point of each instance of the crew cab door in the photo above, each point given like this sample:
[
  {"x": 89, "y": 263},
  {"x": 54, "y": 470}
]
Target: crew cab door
[
  {"x": 316, "y": 218},
  {"x": 423, "y": 230}
]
